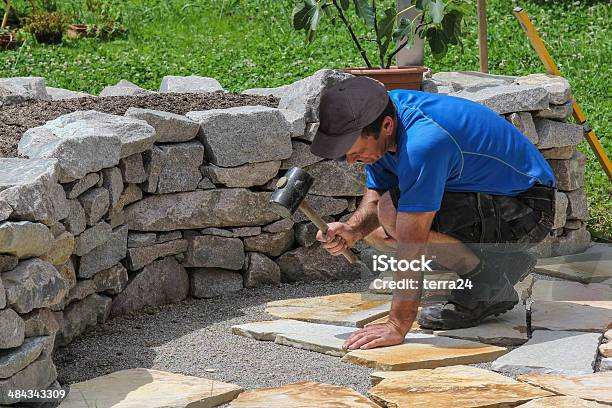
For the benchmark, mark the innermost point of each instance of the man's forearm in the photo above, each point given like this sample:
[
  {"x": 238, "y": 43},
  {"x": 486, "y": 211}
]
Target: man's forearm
[
  {"x": 406, "y": 302},
  {"x": 365, "y": 219}
]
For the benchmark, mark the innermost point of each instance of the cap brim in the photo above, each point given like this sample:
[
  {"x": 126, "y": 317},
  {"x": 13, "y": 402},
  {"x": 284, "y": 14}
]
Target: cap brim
[{"x": 333, "y": 147}]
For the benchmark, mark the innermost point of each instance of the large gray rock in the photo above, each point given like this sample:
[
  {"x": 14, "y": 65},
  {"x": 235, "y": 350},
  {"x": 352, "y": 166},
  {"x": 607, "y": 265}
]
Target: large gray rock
[
  {"x": 162, "y": 282},
  {"x": 78, "y": 187},
  {"x": 106, "y": 255},
  {"x": 245, "y": 134},
  {"x": 24, "y": 239},
  {"x": 61, "y": 249},
  {"x": 547, "y": 353},
  {"x": 75, "y": 221},
  {"x": 300, "y": 157},
  {"x": 18, "y": 90},
  {"x": 14, "y": 360},
  {"x": 304, "y": 95},
  {"x": 141, "y": 239},
  {"x": 13, "y": 329},
  {"x": 111, "y": 281},
  {"x": 509, "y": 98},
  {"x": 306, "y": 232},
  {"x": 259, "y": 270},
  {"x": 87, "y": 141},
  {"x": 30, "y": 188},
  {"x": 472, "y": 80},
  {"x": 174, "y": 167},
  {"x": 33, "y": 284},
  {"x": 189, "y": 84},
  {"x": 277, "y": 92},
  {"x": 569, "y": 173},
  {"x": 559, "y": 112},
  {"x": 524, "y": 122},
  {"x": 213, "y": 282},
  {"x": 200, "y": 209},
  {"x": 557, "y": 134},
  {"x": 578, "y": 208},
  {"x": 113, "y": 182},
  {"x": 559, "y": 153},
  {"x": 138, "y": 258},
  {"x": 271, "y": 244},
  {"x": 247, "y": 175},
  {"x": 60, "y": 94},
  {"x": 315, "y": 263},
  {"x": 334, "y": 178},
  {"x": 557, "y": 87},
  {"x": 40, "y": 322},
  {"x": 322, "y": 205},
  {"x": 96, "y": 203},
  {"x": 2, "y": 296},
  {"x": 132, "y": 169},
  {"x": 279, "y": 226},
  {"x": 7, "y": 262},
  {"x": 213, "y": 251},
  {"x": 78, "y": 317},
  {"x": 36, "y": 376},
  {"x": 124, "y": 88},
  {"x": 296, "y": 122},
  {"x": 92, "y": 237},
  {"x": 245, "y": 232},
  {"x": 560, "y": 210},
  {"x": 571, "y": 242},
  {"x": 169, "y": 127},
  {"x": 5, "y": 210}
]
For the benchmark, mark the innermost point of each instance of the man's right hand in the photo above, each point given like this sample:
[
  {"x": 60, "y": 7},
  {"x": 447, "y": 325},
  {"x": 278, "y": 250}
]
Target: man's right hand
[{"x": 340, "y": 236}]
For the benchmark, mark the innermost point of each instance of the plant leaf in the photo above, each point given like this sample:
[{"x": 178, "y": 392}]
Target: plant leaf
[
  {"x": 365, "y": 11},
  {"x": 437, "y": 42},
  {"x": 422, "y": 4},
  {"x": 302, "y": 13},
  {"x": 436, "y": 8},
  {"x": 385, "y": 29},
  {"x": 344, "y": 4},
  {"x": 405, "y": 28}
]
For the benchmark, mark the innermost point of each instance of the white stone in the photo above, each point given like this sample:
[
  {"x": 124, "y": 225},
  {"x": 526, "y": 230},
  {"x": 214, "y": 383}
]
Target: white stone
[
  {"x": 59, "y": 94},
  {"x": 552, "y": 352},
  {"x": 124, "y": 88},
  {"x": 189, "y": 84}
]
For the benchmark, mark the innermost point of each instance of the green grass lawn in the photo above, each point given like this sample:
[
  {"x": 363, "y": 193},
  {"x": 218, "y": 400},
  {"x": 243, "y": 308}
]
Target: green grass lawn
[{"x": 254, "y": 45}]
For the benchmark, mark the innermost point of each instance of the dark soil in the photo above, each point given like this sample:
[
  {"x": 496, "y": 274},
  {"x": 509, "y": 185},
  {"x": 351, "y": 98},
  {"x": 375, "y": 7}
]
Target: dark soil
[{"x": 15, "y": 120}]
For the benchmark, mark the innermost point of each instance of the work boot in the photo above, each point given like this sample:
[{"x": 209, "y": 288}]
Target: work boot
[
  {"x": 515, "y": 265},
  {"x": 491, "y": 294}
]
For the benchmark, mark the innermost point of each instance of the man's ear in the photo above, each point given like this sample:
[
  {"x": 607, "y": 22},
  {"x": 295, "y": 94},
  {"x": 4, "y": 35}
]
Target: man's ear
[{"x": 388, "y": 124}]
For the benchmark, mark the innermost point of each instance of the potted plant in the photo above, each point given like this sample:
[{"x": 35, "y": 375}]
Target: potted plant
[
  {"x": 438, "y": 22},
  {"x": 47, "y": 27}
]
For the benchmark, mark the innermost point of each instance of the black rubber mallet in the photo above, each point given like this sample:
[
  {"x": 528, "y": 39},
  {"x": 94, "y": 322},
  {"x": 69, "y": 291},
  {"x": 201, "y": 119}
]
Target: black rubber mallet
[{"x": 290, "y": 194}]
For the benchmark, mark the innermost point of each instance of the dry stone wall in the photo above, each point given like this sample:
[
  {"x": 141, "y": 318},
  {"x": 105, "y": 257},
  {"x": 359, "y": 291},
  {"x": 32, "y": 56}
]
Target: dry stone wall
[{"x": 111, "y": 214}]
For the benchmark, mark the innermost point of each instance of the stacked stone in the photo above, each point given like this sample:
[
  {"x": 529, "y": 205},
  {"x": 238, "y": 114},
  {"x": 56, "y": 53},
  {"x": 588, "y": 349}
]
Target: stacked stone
[
  {"x": 112, "y": 214},
  {"x": 539, "y": 106}
]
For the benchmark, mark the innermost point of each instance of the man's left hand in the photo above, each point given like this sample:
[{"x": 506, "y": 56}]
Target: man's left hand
[{"x": 376, "y": 335}]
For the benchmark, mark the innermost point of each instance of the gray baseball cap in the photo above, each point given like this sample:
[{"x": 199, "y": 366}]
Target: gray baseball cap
[{"x": 345, "y": 109}]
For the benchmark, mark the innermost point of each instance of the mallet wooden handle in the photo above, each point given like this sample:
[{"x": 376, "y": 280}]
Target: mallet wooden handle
[{"x": 322, "y": 225}]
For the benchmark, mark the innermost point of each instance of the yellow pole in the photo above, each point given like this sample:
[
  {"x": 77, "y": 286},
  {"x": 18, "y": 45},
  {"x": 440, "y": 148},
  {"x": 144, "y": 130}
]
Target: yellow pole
[
  {"x": 552, "y": 68},
  {"x": 483, "y": 51}
]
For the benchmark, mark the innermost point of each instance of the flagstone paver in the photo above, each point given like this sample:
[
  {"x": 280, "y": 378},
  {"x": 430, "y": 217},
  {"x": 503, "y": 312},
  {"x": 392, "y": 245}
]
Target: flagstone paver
[
  {"x": 561, "y": 352},
  {"x": 322, "y": 338},
  {"x": 421, "y": 350},
  {"x": 594, "y": 387},
  {"x": 566, "y": 291},
  {"x": 141, "y": 387},
  {"x": 508, "y": 329},
  {"x": 344, "y": 309},
  {"x": 561, "y": 402},
  {"x": 457, "y": 387},
  {"x": 593, "y": 317},
  {"x": 593, "y": 265},
  {"x": 303, "y": 394}
]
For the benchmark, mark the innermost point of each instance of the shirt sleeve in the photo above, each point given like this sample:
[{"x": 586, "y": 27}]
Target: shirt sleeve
[
  {"x": 425, "y": 169},
  {"x": 379, "y": 177}
]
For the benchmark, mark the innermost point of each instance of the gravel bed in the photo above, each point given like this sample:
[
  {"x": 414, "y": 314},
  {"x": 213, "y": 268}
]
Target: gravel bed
[{"x": 15, "y": 120}]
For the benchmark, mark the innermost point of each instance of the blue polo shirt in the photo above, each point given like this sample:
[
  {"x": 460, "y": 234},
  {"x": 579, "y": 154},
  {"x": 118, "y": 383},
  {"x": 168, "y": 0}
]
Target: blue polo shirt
[{"x": 446, "y": 143}]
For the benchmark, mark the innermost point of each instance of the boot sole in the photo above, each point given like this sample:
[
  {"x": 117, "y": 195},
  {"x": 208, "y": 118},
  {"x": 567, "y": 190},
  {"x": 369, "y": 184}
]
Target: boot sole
[{"x": 495, "y": 310}]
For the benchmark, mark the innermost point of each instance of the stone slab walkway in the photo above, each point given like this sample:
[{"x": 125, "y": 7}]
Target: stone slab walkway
[
  {"x": 560, "y": 352},
  {"x": 561, "y": 402},
  {"x": 344, "y": 309},
  {"x": 303, "y": 394},
  {"x": 593, "y": 265},
  {"x": 456, "y": 386},
  {"x": 141, "y": 387},
  {"x": 594, "y": 387}
]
